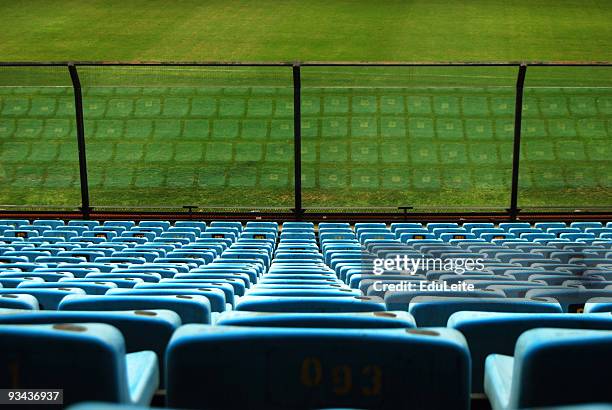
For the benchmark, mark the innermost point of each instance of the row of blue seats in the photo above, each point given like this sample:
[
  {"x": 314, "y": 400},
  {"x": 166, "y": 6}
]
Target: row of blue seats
[
  {"x": 315, "y": 366},
  {"x": 299, "y": 278}
]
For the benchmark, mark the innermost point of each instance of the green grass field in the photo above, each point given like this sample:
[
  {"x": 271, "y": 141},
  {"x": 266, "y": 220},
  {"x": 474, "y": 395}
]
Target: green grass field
[
  {"x": 398, "y": 30},
  {"x": 435, "y": 138}
]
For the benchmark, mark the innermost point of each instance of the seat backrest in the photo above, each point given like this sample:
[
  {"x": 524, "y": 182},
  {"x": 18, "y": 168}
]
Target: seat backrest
[
  {"x": 314, "y": 368},
  {"x": 561, "y": 366},
  {"x": 190, "y": 308},
  {"x": 86, "y": 360},
  {"x": 310, "y": 305},
  {"x": 435, "y": 310},
  {"x": 572, "y": 300},
  {"x": 496, "y": 332},
  {"x": 360, "y": 320}
]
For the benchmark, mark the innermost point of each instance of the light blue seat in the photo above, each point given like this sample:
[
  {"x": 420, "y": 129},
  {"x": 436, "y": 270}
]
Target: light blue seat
[
  {"x": 91, "y": 288},
  {"x": 401, "y": 300},
  {"x": 104, "y": 234},
  {"x": 76, "y": 272},
  {"x": 21, "y": 233},
  {"x": 124, "y": 224},
  {"x": 121, "y": 283},
  {"x": 572, "y": 300},
  {"x": 145, "y": 276},
  {"x": 301, "y": 225},
  {"x": 162, "y": 271},
  {"x": 228, "y": 290},
  {"x": 545, "y": 226},
  {"x": 435, "y": 310},
  {"x": 190, "y": 308},
  {"x": 532, "y": 377},
  {"x": 597, "y": 305},
  {"x": 102, "y": 267},
  {"x": 510, "y": 225},
  {"x": 401, "y": 225},
  {"x": 360, "y": 320},
  {"x": 238, "y": 286},
  {"x": 88, "y": 360},
  {"x": 310, "y": 305},
  {"x": 497, "y": 236},
  {"x": 216, "y": 296},
  {"x": 513, "y": 290},
  {"x": 48, "y": 299},
  {"x": 30, "y": 255},
  {"x": 18, "y": 301},
  {"x": 584, "y": 225},
  {"x": 490, "y": 332},
  {"x": 304, "y": 293},
  {"x": 88, "y": 224},
  {"x": 164, "y": 225},
  {"x": 46, "y": 276},
  {"x": 14, "y": 222},
  {"x": 227, "y": 224},
  {"x": 295, "y": 364},
  {"x": 216, "y": 275}
]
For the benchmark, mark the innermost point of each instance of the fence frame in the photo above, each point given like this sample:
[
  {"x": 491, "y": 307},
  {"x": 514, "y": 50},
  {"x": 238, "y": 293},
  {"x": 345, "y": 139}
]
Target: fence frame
[{"x": 402, "y": 212}]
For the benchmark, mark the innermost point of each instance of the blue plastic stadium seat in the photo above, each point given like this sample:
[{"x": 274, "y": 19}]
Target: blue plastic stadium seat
[
  {"x": 48, "y": 299},
  {"x": 532, "y": 377},
  {"x": 400, "y": 300},
  {"x": 361, "y": 320},
  {"x": 141, "y": 329},
  {"x": 435, "y": 310},
  {"x": 121, "y": 283},
  {"x": 18, "y": 301},
  {"x": 490, "y": 332},
  {"x": 314, "y": 368},
  {"x": 310, "y": 305},
  {"x": 190, "y": 308},
  {"x": 91, "y": 288},
  {"x": 154, "y": 224},
  {"x": 87, "y": 360},
  {"x": 87, "y": 224},
  {"x": 596, "y": 305},
  {"x": 215, "y": 296},
  {"x": 572, "y": 300}
]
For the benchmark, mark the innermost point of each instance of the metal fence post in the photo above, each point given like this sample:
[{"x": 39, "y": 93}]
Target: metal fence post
[
  {"x": 297, "y": 141},
  {"x": 516, "y": 153},
  {"x": 78, "y": 105}
]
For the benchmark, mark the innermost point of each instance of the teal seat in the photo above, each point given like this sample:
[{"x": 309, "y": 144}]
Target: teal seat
[
  {"x": 496, "y": 332},
  {"x": 359, "y": 320},
  {"x": 298, "y": 364},
  {"x": 87, "y": 360},
  {"x": 436, "y": 310},
  {"x": 190, "y": 308},
  {"x": 532, "y": 377},
  {"x": 310, "y": 305},
  {"x": 141, "y": 329}
]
